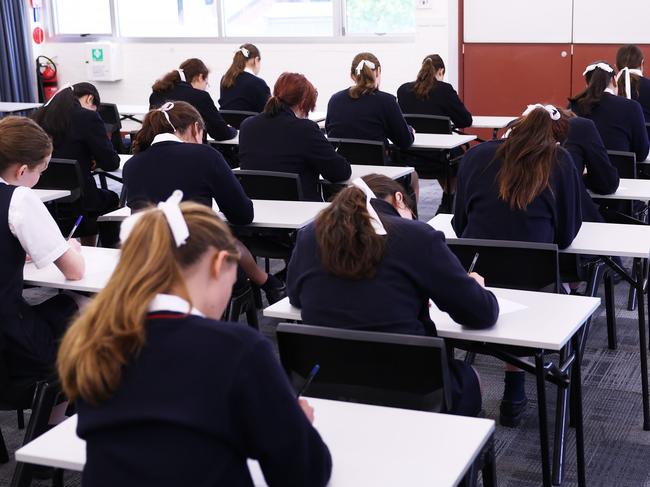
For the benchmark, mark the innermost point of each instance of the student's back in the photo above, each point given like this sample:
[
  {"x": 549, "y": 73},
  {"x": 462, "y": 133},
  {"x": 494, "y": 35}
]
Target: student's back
[
  {"x": 631, "y": 82},
  {"x": 241, "y": 88}
]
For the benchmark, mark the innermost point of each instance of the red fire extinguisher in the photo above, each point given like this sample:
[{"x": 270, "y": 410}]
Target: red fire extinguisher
[{"x": 46, "y": 76}]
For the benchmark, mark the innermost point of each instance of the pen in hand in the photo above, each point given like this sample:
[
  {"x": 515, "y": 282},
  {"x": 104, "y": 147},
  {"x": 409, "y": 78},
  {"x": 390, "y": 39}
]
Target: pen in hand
[
  {"x": 310, "y": 378},
  {"x": 473, "y": 264},
  {"x": 76, "y": 225}
]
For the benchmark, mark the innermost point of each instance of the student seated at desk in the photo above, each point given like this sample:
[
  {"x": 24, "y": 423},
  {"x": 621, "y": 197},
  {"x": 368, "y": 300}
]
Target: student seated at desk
[
  {"x": 526, "y": 188},
  {"x": 169, "y": 155},
  {"x": 371, "y": 267},
  {"x": 430, "y": 95},
  {"x": 631, "y": 82},
  {"x": 30, "y": 334},
  {"x": 241, "y": 88},
  {"x": 167, "y": 394},
  {"x": 620, "y": 121},
  {"x": 79, "y": 133},
  {"x": 283, "y": 139},
  {"x": 189, "y": 83}
]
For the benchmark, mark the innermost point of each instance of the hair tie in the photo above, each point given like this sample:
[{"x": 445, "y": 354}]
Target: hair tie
[
  {"x": 164, "y": 109},
  {"x": 362, "y": 63},
  {"x": 628, "y": 82},
  {"x": 604, "y": 66},
  {"x": 376, "y": 223},
  {"x": 553, "y": 112},
  {"x": 181, "y": 73},
  {"x": 173, "y": 215},
  {"x": 244, "y": 51}
]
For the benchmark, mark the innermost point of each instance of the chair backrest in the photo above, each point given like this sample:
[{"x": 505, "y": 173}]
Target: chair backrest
[
  {"x": 384, "y": 369},
  {"x": 429, "y": 124},
  {"x": 625, "y": 162},
  {"x": 234, "y": 118},
  {"x": 511, "y": 264},
  {"x": 63, "y": 174},
  {"x": 270, "y": 185},
  {"x": 111, "y": 116},
  {"x": 358, "y": 151}
]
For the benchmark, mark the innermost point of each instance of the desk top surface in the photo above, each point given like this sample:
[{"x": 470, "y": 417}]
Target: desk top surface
[
  {"x": 10, "y": 106},
  {"x": 51, "y": 194},
  {"x": 489, "y": 122},
  {"x": 628, "y": 189}
]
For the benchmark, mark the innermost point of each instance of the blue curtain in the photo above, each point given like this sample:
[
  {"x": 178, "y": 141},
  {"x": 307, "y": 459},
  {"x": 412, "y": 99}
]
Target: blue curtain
[{"x": 17, "y": 68}]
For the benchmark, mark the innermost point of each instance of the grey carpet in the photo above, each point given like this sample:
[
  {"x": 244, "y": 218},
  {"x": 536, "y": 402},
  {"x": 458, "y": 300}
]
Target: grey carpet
[{"x": 617, "y": 449}]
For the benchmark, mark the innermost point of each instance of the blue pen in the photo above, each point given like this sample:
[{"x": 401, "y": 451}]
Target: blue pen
[
  {"x": 76, "y": 225},
  {"x": 312, "y": 374},
  {"x": 473, "y": 264}
]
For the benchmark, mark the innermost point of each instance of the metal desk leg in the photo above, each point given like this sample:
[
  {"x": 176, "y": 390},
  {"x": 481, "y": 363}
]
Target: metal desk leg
[
  {"x": 638, "y": 267},
  {"x": 543, "y": 420},
  {"x": 560, "y": 428},
  {"x": 450, "y": 207},
  {"x": 576, "y": 406}
]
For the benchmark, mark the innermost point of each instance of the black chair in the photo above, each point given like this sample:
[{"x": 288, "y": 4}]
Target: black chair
[
  {"x": 113, "y": 123},
  {"x": 270, "y": 185},
  {"x": 242, "y": 301},
  {"x": 234, "y": 118},
  {"x": 358, "y": 151},
  {"x": 429, "y": 124}
]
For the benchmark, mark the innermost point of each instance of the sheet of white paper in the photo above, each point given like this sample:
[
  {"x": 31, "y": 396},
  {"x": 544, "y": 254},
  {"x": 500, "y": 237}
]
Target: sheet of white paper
[{"x": 506, "y": 306}]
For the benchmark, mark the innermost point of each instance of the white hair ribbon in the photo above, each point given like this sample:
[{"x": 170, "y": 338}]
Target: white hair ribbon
[
  {"x": 553, "y": 112},
  {"x": 376, "y": 223},
  {"x": 164, "y": 109},
  {"x": 628, "y": 83},
  {"x": 64, "y": 87},
  {"x": 604, "y": 66},
  {"x": 173, "y": 215},
  {"x": 181, "y": 73},
  {"x": 362, "y": 63},
  {"x": 244, "y": 51}
]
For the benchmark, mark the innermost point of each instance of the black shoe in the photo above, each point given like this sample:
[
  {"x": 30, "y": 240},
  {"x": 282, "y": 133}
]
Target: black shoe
[
  {"x": 275, "y": 294},
  {"x": 511, "y": 412}
]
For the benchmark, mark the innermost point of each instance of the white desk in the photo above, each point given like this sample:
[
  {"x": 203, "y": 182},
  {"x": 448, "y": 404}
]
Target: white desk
[
  {"x": 370, "y": 445},
  {"x": 488, "y": 122},
  {"x": 628, "y": 189},
  {"x": 130, "y": 111},
  {"x": 360, "y": 170},
  {"x": 233, "y": 141},
  {"x": 12, "y": 107},
  {"x": 290, "y": 215},
  {"x": 440, "y": 141},
  {"x": 100, "y": 264},
  {"x": 51, "y": 194},
  {"x": 317, "y": 117}
]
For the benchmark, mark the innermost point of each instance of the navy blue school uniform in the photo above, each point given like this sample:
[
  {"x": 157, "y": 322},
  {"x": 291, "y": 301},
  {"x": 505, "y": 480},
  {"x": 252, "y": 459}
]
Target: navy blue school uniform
[
  {"x": 417, "y": 266},
  {"x": 374, "y": 116},
  {"x": 643, "y": 96},
  {"x": 200, "y": 398},
  {"x": 286, "y": 143},
  {"x": 588, "y": 152},
  {"x": 198, "y": 170},
  {"x": 442, "y": 100},
  {"x": 215, "y": 125},
  {"x": 554, "y": 216},
  {"x": 620, "y": 123},
  {"x": 249, "y": 93}
]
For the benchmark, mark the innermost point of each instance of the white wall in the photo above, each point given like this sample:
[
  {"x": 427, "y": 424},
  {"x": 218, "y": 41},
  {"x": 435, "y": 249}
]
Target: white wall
[{"x": 326, "y": 65}]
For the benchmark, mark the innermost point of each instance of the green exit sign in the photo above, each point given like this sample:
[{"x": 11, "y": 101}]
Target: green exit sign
[{"x": 98, "y": 54}]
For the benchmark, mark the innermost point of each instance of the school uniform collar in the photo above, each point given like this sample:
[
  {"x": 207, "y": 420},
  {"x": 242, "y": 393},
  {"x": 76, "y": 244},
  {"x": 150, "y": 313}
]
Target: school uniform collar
[
  {"x": 165, "y": 137},
  {"x": 383, "y": 207},
  {"x": 171, "y": 302},
  {"x": 610, "y": 91},
  {"x": 249, "y": 70},
  {"x": 3, "y": 181}
]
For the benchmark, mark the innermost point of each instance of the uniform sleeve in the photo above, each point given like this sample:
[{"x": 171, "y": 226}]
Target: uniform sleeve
[
  {"x": 263, "y": 93},
  {"x": 215, "y": 125},
  {"x": 601, "y": 176},
  {"x": 322, "y": 156},
  {"x": 456, "y": 109},
  {"x": 99, "y": 144},
  {"x": 567, "y": 196},
  {"x": 228, "y": 193},
  {"x": 275, "y": 430},
  {"x": 398, "y": 130},
  {"x": 640, "y": 143},
  {"x": 34, "y": 227},
  {"x": 296, "y": 266},
  {"x": 459, "y": 220}
]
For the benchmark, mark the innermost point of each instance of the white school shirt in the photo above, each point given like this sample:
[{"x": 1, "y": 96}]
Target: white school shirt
[
  {"x": 34, "y": 227},
  {"x": 165, "y": 137},
  {"x": 171, "y": 302}
]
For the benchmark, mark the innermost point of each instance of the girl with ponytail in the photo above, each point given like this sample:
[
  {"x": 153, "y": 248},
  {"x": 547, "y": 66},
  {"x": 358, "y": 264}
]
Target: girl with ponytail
[
  {"x": 365, "y": 264},
  {"x": 619, "y": 121},
  {"x": 189, "y": 83},
  {"x": 631, "y": 82},
  {"x": 241, "y": 89},
  {"x": 167, "y": 394}
]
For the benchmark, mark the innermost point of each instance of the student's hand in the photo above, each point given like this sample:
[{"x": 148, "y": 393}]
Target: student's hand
[
  {"x": 28, "y": 258},
  {"x": 307, "y": 409},
  {"x": 74, "y": 245},
  {"x": 478, "y": 278},
  {"x": 412, "y": 129}
]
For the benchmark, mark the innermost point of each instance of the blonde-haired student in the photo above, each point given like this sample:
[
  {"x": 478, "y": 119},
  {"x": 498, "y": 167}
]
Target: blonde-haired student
[
  {"x": 169, "y": 395},
  {"x": 241, "y": 87},
  {"x": 30, "y": 334}
]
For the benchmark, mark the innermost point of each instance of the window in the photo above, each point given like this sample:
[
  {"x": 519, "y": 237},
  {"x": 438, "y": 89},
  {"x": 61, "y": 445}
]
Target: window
[
  {"x": 78, "y": 17},
  {"x": 168, "y": 18},
  {"x": 380, "y": 16}
]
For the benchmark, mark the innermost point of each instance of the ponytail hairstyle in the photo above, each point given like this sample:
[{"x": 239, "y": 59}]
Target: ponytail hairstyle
[
  {"x": 597, "y": 80},
  {"x": 529, "y": 154},
  {"x": 631, "y": 57},
  {"x": 110, "y": 331},
  {"x": 22, "y": 141},
  {"x": 426, "y": 79},
  {"x": 245, "y": 53},
  {"x": 181, "y": 115},
  {"x": 191, "y": 68},
  {"x": 385, "y": 188},
  {"x": 292, "y": 90},
  {"x": 365, "y": 77},
  {"x": 55, "y": 116},
  {"x": 347, "y": 243}
]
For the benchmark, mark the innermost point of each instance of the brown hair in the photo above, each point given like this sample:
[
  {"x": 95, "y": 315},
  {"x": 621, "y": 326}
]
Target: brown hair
[
  {"x": 239, "y": 64},
  {"x": 22, "y": 141},
  {"x": 192, "y": 68},
  {"x": 348, "y": 245},
  {"x": 597, "y": 80},
  {"x": 528, "y": 156},
  {"x": 629, "y": 56},
  {"x": 293, "y": 90},
  {"x": 111, "y": 331},
  {"x": 385, "y": 187},
  {"x": 426, "y": 79},
  {"x": 182, "y": 116},
  {"x": 366, "y": 79}
]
